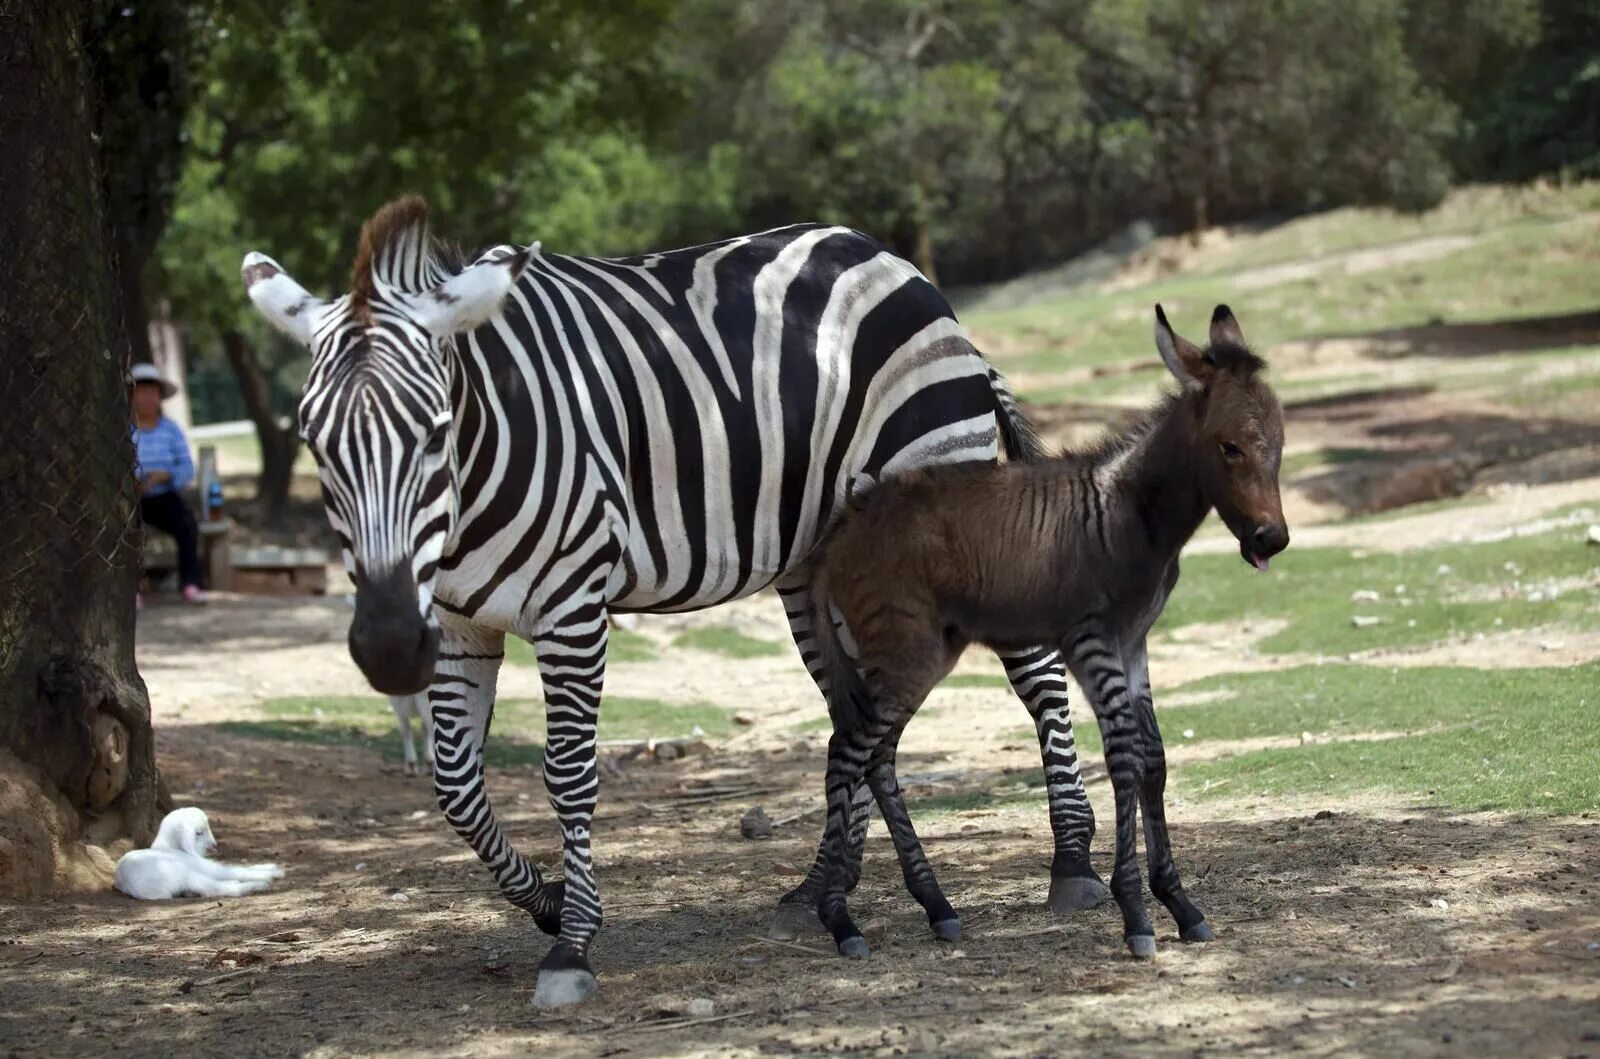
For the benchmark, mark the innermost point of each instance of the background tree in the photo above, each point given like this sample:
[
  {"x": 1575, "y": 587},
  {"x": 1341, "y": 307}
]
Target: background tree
[{"x": 76, "y": 751}]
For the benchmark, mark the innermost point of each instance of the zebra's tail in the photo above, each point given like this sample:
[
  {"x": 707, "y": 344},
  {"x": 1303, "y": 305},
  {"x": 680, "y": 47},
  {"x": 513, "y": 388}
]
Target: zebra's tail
[
  {"x": 849, "y": 702},
  {"x": 1017, "y": 434}
]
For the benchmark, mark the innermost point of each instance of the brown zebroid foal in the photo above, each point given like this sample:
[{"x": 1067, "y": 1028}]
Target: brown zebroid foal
[{"x": 1080, "y": 550}]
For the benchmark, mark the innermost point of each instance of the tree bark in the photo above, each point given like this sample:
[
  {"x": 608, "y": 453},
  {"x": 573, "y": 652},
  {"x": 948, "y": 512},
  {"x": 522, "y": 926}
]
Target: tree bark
[
  {"x": 77, "y": 755},
  {"x": 279, "y": 445}
]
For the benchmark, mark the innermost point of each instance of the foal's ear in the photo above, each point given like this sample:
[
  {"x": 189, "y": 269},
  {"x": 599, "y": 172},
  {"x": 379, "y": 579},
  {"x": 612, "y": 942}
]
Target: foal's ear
[
  {"x": 1183, "y": 358},
  {"x": 1225, "y": 328}
]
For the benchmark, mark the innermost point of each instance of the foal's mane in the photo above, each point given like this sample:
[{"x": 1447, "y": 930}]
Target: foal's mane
[
  {"x": 396, "y": 251},
  {"x": 1225, "y": 358}
]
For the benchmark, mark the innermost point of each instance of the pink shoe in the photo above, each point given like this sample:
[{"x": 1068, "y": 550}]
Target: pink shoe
[{"x": 193, "y": 594}]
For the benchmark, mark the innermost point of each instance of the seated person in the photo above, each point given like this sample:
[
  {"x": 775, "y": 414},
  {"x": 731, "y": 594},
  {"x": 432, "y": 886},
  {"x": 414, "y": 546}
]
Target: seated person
[{"x": 163, "y": 466}]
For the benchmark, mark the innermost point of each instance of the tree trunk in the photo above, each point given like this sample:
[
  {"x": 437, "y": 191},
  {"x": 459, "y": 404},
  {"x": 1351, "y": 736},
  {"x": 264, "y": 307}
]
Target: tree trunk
[
  {"x": 77, "y": 756},
  {"x": 279, "y": 445},
  {"x": 922, "y": 251}
]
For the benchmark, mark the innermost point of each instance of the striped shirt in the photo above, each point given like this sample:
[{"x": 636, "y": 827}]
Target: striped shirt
[{"x": 163, "y": 448}]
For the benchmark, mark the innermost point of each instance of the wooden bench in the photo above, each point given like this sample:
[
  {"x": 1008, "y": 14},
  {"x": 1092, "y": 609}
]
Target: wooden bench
[{"x": 272, "y": 571}]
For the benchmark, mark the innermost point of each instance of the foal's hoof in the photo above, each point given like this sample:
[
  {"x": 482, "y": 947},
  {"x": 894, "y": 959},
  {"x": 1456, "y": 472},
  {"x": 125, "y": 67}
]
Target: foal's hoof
[
  {"x": 855, "y": 948},
  {"x": 1074, "y": 893},
  {"x": 947, "y": 930},
  {"x": 790, "y": 921},
  {"x": 560, "y": 988},
  {"x": 1201, "y": 931},
  {"x": 1143, "y": 946}
]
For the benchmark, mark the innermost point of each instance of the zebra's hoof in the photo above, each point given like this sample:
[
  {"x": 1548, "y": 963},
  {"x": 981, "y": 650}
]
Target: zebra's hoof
[
  {"x": 790, "y": 921},
  {"x": 1201, "y": 931},
  {"x": 1143, "y": 946},
  {"x": 855, "y": 948},
  {"x": 947, "y": 930},
  {"x": 1075, "y": 893},
  {"x": 561, "y": 988}
]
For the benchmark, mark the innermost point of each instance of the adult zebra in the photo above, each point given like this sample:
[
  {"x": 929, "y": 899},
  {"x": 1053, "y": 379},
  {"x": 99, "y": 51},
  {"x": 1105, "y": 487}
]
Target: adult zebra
[{"x": 525, "y": 443}]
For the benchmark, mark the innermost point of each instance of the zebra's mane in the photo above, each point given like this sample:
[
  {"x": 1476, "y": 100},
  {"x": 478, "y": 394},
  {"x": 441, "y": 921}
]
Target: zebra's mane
[{"x": 397, "y": 252}]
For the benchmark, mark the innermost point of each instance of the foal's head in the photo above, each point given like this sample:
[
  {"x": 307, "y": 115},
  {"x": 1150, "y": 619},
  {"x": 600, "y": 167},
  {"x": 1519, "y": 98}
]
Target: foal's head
[{"x": 1238, "y": 431}]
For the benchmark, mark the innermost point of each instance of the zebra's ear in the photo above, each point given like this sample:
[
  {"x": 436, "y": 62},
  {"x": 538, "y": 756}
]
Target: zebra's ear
[
  {"x": 287, "y": 306},
  {"x": 1183, "y": 358},
  {"x": 471, "y": 298}
]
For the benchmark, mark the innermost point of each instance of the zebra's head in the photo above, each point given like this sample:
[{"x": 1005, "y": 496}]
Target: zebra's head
[{"x": 377, "y": 413}]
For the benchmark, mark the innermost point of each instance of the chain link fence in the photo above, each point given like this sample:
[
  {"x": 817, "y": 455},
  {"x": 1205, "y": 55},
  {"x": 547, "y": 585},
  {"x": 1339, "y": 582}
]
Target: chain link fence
[{"x": 69, "y": 529}]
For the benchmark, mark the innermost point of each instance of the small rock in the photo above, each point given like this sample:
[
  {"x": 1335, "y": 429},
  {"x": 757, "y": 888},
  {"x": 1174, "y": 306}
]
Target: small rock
[
  {"x": 701, "y": 1008},
  {"x": 744, "y": 719},
  {"x": 1441, "y": 904},
  {"x": 1399, "y": 590},
  {"x": 1365, "y": 621},
  {"x": 755, "y": 823},
  {"x": 668, "y": 752},
  {"x": 1594, "y": 534},
  {"x": 752, "y": 961},
  {"x": 1445, "y": 568},
  {"x": 419, "y": 814},
  {"x": 1348, "y": 983},
  {"x": 1364, "y": 595},
  {"x": 1188, "y": 733},
  {"x": 1411, "y": 623},
  {"x": 1324, "y": 814},
  {"x": 361, "y": 866},
  {"x": 399, "y": 897}
]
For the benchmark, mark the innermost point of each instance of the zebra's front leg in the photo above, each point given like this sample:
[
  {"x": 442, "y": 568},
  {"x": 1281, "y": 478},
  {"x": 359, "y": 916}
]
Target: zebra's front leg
[
  {"x": 461, "y": 701},
  {"x": 1095, "y": 657},
  {"x": 1038, "y": 676},
  {"x": 572, "y": 661},
  {"x": 1164, "y": 880},
  {"x": 797, "y": 910}
]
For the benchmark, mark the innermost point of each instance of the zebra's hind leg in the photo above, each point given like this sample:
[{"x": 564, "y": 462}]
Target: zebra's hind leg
[
  {"x": 572, "y": 661},
  {"x": 1164, "y": 880},
  {"x": 461, "y": 700},
  {"x": 1038, "y": 676},
  {"x": 913, "y": 861},
  {"x": 797, "y": 910}
]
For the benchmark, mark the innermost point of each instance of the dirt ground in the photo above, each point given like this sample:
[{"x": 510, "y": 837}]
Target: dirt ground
[
  {"x": 1371, "y": 924},
  {"x": 1344, "y": 926}
]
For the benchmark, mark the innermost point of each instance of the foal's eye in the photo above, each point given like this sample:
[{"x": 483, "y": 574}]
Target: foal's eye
[{"x": 1231, "y": 452}]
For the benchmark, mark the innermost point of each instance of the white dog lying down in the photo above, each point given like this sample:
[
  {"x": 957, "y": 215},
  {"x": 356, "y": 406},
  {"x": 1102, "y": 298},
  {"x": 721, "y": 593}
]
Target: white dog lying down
[
  {"x": 175, "y": 865},
  {"x": 405, "y": 707}
]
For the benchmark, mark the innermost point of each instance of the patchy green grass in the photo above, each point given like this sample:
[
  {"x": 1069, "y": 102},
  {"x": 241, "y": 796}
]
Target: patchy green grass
[
  {"x": 516, "y": 736},
  {"x": 1523, "y": 739},
  {"x": 1314, "y": 459},
  {"x": 732, "y": 643},
  {"x": 1450, "y": 591},
  {"x": 621, "y": 646},
  {"x": 1025, "y": 787},
  {"x": 975, "y": 680}
]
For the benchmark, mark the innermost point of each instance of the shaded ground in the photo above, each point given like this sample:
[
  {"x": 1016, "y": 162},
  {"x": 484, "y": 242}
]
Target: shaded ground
[{"x": 1404, "y": 931}]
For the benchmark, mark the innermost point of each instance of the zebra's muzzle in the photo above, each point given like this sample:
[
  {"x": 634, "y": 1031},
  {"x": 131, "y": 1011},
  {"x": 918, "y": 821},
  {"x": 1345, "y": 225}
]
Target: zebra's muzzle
[{"x": 390, "y": 642}]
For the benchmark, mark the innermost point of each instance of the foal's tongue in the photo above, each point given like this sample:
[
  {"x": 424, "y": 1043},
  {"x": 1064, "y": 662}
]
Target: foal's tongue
[{"x": 1260, "y": 563}]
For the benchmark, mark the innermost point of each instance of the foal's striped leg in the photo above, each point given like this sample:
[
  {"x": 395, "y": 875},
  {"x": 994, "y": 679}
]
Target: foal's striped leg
[
  {"x": 848, "y": 753},
  {"x": 461, "y": 699},
  {"x": 1095, "y": 658},
  {"x": 796, "y": 913},
  {"x": 913, "y": 861},
  {"x": 1164, "y": 880},
  {"x": 1039, "y": 678},
  {"x": 572, "y": 663}
]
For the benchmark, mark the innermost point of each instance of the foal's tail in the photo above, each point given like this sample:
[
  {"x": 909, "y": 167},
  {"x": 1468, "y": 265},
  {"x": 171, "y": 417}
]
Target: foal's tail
[
  {"x": 1017, "y": 434},
  {"x": 849, "y": 701}
]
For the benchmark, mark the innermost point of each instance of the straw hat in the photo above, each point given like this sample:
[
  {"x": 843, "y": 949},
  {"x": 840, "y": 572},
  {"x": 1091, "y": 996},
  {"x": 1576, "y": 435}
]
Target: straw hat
[{"x": 151, "y": 373}]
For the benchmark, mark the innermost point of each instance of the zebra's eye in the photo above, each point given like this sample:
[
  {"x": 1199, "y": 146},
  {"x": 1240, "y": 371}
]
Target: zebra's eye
[
  {"x": 1231, "y": 452},
  {"x": 436, "y": 440}
]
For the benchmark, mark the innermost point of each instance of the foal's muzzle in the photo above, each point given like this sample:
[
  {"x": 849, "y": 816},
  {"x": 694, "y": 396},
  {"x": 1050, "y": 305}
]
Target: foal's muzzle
[{"x": 391, "y": 643}]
